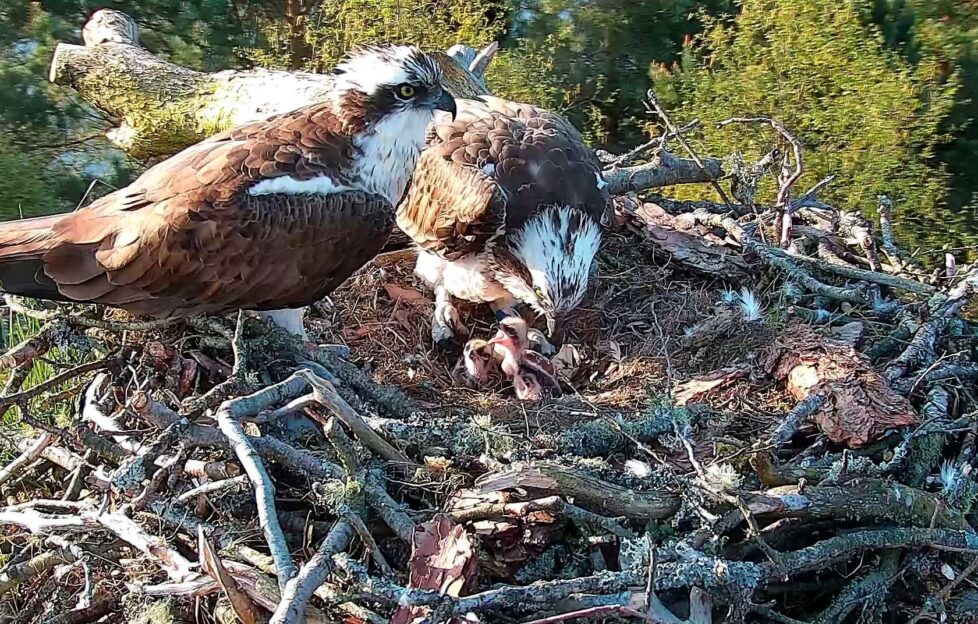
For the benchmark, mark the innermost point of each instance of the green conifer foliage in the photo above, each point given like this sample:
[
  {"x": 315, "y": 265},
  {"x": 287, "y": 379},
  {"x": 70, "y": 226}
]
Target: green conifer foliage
[{"x": 862, "y": 110}]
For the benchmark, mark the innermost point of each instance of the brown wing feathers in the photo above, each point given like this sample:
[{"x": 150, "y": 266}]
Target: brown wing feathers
[
  {"x": 497, "y": 162},
  {"x": 476, "y": 206},
  {"x": 186, "y": 238}
]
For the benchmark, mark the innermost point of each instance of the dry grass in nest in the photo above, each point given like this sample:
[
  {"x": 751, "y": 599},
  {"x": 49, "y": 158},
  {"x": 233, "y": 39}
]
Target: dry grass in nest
[{"x": 629, "y": 332}]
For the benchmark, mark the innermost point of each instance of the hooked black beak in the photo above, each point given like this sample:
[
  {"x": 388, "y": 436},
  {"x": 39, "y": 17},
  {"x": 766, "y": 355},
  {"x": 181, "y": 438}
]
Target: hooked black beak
[{"x": 446, "y": 102}]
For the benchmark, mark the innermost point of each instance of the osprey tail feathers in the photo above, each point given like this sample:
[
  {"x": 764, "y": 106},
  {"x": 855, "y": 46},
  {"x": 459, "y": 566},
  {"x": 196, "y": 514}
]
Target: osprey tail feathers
[{"x": 23, "y": 244}]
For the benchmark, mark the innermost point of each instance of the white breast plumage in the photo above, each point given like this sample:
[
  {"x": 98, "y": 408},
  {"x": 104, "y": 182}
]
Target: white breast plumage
[
  {"x": 390, "y": 152},
  {"x": 467, "y": 278}
]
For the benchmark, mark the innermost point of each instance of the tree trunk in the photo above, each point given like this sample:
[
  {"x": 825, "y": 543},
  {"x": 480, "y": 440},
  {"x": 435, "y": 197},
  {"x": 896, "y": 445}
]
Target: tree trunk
[{"x": 299, "y": 49}]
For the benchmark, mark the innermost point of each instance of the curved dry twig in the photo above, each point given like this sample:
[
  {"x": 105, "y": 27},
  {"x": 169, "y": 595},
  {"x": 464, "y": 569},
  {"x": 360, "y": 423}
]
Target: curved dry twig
[{"x": 785, "y": 182}]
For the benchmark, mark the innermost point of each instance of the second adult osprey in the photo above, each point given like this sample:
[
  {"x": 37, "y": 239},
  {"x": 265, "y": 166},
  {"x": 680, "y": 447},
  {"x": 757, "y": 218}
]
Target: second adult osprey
[
  {"x": 507, "y": 206},
  {"x": 269, "y": 216}
]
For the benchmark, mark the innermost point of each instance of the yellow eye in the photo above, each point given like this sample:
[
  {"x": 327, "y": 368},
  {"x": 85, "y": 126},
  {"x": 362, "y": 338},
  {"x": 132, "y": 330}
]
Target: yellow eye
[
  {"x": 538, "y": 292},
  {"x": 406, "y": 91}
]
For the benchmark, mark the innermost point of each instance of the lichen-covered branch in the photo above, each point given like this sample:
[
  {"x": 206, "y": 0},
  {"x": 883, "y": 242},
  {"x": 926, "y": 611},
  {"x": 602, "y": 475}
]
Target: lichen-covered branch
[
  {"x": 298, "y": 591},
  {"x": 869, "y": 500},
  {"x": 586, "y": 491},
  {"x": 693, "y": 570},
  {"x": 228, "y": 417},
  {"x": 325, "y": 394},
  {"x": 29, "y": 454},
  {"x": 175, "y": 564},
  {"x": 783, "y": 261},
  {"x": 161, "y": 107},
  {"x": 664, "y": 169}
]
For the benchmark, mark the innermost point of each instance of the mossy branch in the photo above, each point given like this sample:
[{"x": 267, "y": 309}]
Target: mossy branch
[{"x": 160, "y": 107}]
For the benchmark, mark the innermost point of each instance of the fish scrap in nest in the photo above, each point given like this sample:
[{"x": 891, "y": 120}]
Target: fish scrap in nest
[{"x": 860, "y": 405}]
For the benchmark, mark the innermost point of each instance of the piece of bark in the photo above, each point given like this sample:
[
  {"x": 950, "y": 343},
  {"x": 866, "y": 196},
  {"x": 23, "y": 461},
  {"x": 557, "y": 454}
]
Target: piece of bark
[
  {"x": 860, "y": 405},
  {"x": 679, "y": 238},
  {"x": 442, "y": 559},
  {"x": 511, "y": 533},
  {"x": 406, "y": 295},
  {"x": 243, "y": 607},
  {"x": 212, "y": 470}
]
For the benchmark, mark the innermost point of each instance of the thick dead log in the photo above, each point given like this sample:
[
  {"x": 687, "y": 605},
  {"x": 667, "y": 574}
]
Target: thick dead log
[
  {"x": 162, "y": 108},
  {"x": 664, "y": 169},
  {"x": 869, "y": 499},
  {"x": 586, "y": 490}
]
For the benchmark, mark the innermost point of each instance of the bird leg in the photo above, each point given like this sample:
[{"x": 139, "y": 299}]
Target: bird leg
[
  {"x": 291, "y": 320},
  {"x": 538, "y": 341},
  {"x": 445, "y": 321}
]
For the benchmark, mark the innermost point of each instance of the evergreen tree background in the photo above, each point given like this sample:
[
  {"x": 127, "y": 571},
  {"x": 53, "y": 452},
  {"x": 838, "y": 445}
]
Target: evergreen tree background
[
  {"x": 883, "y": 93},
  {"x": 864, "y": 111}
]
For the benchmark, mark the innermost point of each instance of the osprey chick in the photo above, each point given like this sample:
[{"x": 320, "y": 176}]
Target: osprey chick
[
  {"x": 521, "y": 363},
  {"x": 271, "y": 216},
  {"x": 532, "y": 374},
  {"x": 507, "y": 206}
]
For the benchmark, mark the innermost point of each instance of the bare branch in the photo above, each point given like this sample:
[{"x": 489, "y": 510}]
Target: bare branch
[
  {"x": 297, "y": 593},
  {"x": 26, "y": 457}
]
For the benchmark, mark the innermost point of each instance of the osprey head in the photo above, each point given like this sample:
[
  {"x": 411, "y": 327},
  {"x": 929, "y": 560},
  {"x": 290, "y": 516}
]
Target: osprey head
[
  {"x": 547, "y": 263},
  {"x": 381, "y": 80}
]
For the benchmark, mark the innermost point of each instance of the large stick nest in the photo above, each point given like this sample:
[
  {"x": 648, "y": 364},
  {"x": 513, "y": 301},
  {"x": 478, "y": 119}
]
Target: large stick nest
[{"x": 764, "y": 417}]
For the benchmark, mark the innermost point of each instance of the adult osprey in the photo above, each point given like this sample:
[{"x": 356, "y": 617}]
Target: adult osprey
[
  {"x": 507, "y": 206},
  {"x": 272, "y": 215}
]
